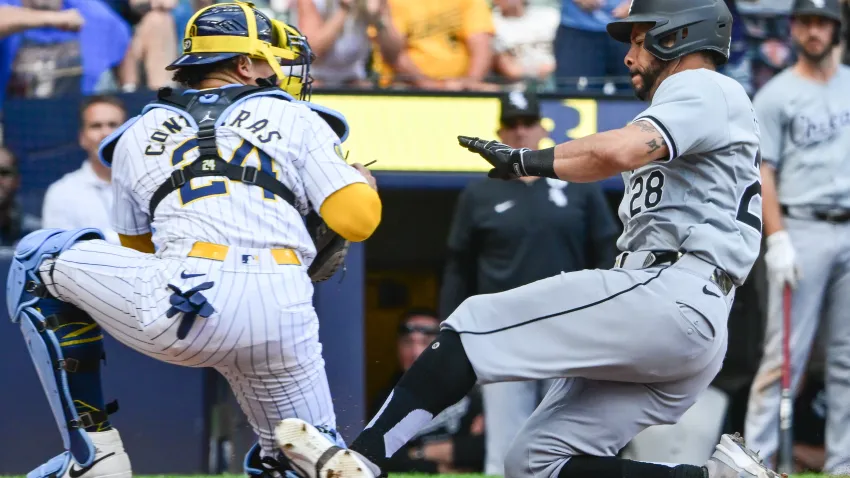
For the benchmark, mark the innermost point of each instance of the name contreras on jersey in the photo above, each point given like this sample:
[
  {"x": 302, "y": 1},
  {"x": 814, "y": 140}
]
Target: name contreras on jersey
[
  {"x": 173, "y": 125},
  {"x": 256, "y": 127},
  {"x": 159, "y": 137}
]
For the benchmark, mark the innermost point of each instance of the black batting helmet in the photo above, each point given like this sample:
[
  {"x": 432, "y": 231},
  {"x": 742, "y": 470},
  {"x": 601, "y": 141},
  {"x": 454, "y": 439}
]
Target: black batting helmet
[
  {"x": 821, "y": 8},
  {"x": 708, "y": 24}
]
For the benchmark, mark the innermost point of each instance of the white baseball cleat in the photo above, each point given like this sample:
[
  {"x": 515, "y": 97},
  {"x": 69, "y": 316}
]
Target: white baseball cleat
[
  {"x": 311, "y": 452},
  {"x": 732, "y": 459},
  {"x": 110, "y": 459}
]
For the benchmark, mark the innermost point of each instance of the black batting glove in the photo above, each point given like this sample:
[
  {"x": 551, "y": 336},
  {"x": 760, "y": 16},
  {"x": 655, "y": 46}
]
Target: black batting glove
[
  {"x": 511, "y": 163},
  {"x": 506, "y": 161}
]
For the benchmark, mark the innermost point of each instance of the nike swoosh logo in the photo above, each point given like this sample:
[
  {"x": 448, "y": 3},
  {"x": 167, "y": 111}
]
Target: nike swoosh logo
[
  {"x": 708, "y": 292},
  {"x": 184, "y": 275},
  {"x": 77, "y": 472}
]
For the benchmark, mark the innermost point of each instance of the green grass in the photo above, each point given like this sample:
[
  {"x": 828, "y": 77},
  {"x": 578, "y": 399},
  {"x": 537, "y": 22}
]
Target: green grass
[{"x": 391, "y": 476}]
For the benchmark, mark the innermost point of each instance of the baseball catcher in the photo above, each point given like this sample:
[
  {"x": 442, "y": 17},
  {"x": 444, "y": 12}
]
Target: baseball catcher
[{"x": 231, "y": 199}]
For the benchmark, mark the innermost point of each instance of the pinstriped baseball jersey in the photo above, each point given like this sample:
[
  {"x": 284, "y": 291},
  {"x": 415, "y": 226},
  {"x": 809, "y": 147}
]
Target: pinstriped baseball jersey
[
  {"x": 706, "y": 197},
  {"x": 263, "y": 334},
  {"x": 279, "y": 137}
]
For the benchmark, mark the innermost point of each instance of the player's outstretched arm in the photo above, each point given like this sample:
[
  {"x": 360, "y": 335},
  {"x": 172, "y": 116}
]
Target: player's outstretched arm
[{"x": 587, "y": 159}]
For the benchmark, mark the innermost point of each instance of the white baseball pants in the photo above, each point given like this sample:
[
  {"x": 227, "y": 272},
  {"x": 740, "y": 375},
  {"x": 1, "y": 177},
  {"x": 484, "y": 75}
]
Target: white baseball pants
[{"x": 263, "y": 336}]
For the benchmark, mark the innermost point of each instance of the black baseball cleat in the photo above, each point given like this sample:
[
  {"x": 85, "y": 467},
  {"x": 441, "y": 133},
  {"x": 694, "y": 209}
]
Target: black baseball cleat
[{"x": 732, "y": 459}]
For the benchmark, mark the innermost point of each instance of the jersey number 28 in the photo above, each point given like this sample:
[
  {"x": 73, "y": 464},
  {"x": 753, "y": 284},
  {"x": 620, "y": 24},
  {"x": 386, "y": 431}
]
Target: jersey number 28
[{"x": 646, "y": 193}]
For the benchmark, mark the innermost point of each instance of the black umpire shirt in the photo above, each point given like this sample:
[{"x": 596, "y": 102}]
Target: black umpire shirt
[{"x": 506, "y": 234}]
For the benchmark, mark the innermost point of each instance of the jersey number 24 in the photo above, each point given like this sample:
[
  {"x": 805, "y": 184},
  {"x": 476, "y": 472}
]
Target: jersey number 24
[{"x": 188, "y": 193}]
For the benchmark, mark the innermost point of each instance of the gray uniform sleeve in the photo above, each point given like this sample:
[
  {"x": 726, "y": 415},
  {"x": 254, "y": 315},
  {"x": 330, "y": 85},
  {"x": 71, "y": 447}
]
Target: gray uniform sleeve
[
  {"x": 769, "y": 113},
  {"x": 690, "y": 111}
]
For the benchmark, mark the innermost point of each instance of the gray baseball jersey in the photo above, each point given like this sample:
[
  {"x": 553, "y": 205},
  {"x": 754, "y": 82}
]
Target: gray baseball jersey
[
  {"x": 806, "y": 137},
  {"x": 635, "y": 345},
  {"x": 706, "y": 197}
]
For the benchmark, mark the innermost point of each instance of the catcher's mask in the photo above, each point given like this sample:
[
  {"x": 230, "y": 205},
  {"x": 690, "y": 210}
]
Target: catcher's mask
[{"x": 226, "y": 30}]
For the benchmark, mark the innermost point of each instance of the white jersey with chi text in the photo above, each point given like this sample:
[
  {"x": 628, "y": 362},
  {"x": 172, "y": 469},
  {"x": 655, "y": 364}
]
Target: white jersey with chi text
[{"x": 283, "y": 138}]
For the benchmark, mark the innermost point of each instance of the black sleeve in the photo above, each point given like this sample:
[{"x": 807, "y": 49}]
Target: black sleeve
[
  {"x": 602, "y": 230},
  {"x": 460, "y": 271}
]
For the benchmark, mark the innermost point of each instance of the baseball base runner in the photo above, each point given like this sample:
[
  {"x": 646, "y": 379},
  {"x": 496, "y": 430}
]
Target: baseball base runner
[
  {"x": 633, "y": 346},
  {"x": 211, "y": 186}
]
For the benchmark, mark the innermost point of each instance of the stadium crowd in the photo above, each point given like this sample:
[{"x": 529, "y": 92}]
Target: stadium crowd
[{"x": 55, "y": 49}]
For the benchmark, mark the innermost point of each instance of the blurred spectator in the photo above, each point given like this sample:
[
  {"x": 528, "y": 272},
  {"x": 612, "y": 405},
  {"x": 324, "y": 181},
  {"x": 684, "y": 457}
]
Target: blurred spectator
[
  {"x": 337, "y": 33},
  {"x": 155, "y": 39},
  {"x": 283, "y": 10},
  {"x": 14, "y": 223},
  {"x": 587, "y": 58},
  {"x": 739, "y": 66},
  {"x": 766, "y": 31},
  {"x": 453, "y": 442},
  {"x": 83, "y": 198},
  {"x": 523, "y": 41},
  {"x": 435, "y": 44},
  {"x": 44, "y": 55},
  {"x": 506, "y": 234}
]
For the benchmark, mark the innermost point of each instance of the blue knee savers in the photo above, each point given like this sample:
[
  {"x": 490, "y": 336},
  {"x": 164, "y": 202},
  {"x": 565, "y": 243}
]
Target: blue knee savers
[{"x": 26, "y": 296}]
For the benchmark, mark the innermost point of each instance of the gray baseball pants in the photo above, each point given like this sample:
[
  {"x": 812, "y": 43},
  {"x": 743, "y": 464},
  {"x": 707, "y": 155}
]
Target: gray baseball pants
[
  {"x": 507, "y": 405},
  {"x": 823, "y": 292},
  {"x": 630, "y": 348}
]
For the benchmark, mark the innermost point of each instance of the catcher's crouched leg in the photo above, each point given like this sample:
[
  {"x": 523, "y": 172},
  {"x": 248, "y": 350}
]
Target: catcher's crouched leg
[{"x": 66, "y": 347}]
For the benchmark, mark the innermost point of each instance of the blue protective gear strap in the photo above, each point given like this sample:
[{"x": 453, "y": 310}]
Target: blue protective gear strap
[
  {"x": 23, "y": 286},
  {"x": 252, "y": 463},
  {"x": 56, "y": 467}
]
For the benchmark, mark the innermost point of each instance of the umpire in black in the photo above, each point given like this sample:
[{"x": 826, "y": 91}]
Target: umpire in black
[{"x": 506, "y": 234}]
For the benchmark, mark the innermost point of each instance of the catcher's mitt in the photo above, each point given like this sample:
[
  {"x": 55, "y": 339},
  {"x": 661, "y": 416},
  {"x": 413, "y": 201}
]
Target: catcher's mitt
[{"x": 331, "y": 249}]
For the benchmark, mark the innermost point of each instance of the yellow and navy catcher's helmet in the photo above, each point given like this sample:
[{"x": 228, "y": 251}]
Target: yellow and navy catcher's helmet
[{"x": 225, "y": 30}]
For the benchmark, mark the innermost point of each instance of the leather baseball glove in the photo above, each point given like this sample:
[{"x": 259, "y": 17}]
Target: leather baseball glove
[{"x": 331, "y": 249}]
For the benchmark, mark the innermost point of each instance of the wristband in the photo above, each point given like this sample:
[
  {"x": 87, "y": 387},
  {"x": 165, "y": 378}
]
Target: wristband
[{"x": 539, "y": 163}]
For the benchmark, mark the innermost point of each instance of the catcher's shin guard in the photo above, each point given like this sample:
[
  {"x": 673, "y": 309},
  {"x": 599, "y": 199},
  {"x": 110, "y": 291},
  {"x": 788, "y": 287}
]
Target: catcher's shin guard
[{"x": 26, "y": 295}]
